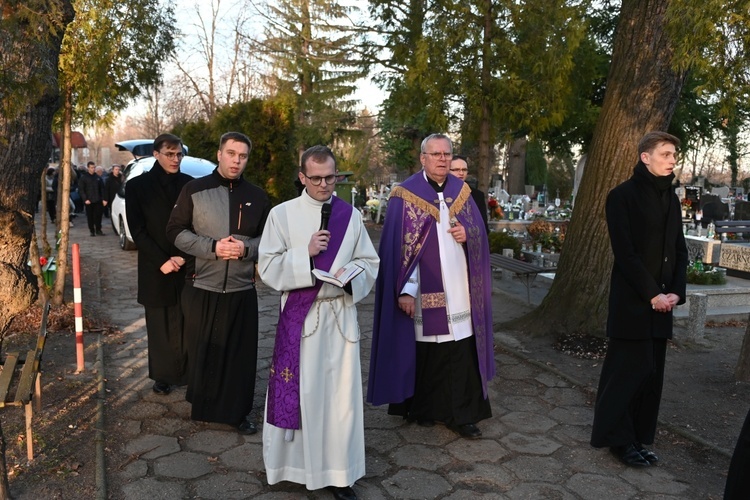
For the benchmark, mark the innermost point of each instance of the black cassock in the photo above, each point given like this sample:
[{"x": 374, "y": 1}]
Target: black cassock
[{"x": 223, "y": 333}]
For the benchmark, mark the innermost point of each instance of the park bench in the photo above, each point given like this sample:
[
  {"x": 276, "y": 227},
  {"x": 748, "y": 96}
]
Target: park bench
[
  {"x": 20, "y": 381},
  {"x": 732, "y": 226},
  {"x": 525, "y": 271}
]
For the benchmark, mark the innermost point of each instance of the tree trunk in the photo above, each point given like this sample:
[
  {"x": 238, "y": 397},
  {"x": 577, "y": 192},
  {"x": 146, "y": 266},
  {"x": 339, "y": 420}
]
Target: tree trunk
[
  {"x": 642, "y": 92},
  {"x": 485, "y": 145},
  {"x": 63, "y": 190},
  {"x": 29, "y": 100},
  {"x": 516, "y": 166}
]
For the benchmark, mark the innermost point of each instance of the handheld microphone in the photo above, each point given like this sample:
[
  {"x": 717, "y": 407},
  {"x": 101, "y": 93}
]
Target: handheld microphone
[{"x": 325, "y": 215}]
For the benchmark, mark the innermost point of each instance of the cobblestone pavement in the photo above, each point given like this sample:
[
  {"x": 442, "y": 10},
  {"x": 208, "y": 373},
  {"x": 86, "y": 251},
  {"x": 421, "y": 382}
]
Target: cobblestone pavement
[{"x": 535, "y": 446}]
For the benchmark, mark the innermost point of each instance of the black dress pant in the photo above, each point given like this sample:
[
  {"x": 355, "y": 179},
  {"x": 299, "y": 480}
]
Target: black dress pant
[
  {"x": 738, "y": 479},
  {"x": 629, "y": 394},
  {"x": 94, "y": 216}
]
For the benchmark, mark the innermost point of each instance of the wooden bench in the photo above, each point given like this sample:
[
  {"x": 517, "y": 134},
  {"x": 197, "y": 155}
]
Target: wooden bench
[
  {"x": 525, "y": 271},
  {"x": 732, "y": 226},
  {"x": 20, "y": 379}
]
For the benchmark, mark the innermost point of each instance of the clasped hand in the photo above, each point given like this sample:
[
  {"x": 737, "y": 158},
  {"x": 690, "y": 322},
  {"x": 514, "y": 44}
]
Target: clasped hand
[
  {"x": 664, "y": 302},
  {"x": 230, "y": 248},
  {"x": 318, "y": 242}
]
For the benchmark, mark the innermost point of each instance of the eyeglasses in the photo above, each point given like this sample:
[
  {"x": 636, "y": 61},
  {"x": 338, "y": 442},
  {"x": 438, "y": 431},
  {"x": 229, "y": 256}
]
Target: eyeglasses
[
  {"x": 462, "y": 170},
  {"x": 439, "y": 156},
  {"x": 172, "y": 156},
  {"x": 315, "y": 180}
]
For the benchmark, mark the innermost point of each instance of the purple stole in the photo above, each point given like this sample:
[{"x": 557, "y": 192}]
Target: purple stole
[{"x": 283, "y": 408}]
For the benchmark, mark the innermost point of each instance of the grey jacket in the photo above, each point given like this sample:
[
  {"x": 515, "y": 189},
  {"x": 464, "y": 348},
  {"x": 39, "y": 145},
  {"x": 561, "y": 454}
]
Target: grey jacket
[{"x": 209, "y": 209}]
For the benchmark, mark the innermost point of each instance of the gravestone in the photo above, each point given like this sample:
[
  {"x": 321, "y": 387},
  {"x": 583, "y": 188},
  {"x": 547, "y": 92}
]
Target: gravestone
[
  {"x": 693, "y": 193},
  {"x": 721, "y": 192},
  {"x": 713, "y": 209},
  {"x": 708, "y": 249},
  {"x": 735, "y": 257},
  {"x": 742, "y": 210}
]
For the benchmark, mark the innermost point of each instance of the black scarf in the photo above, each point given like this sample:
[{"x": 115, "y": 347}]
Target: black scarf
[
  {"x": 661, "y": 184},
  {"x": 167, "y": 181}
]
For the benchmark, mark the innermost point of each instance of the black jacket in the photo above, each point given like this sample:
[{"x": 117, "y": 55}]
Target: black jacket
[
  {"x": 112, "y": 186},
  {"x": 91, "y": 188},
  {"x": 149, "y": 199},
  {"x": 645, "y": 230}
]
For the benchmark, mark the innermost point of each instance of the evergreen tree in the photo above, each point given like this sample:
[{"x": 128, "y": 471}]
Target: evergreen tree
[{"x": 310, "y": 46}]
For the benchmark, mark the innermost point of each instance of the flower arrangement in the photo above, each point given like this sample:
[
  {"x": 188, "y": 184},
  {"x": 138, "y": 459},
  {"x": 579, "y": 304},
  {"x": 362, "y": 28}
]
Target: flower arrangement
[
  {"x": 686, "y": 204},
  {"x": 496, "y": 211},
  {"x": 49, "y": 268},
  {"x": 545, "y": 234}
]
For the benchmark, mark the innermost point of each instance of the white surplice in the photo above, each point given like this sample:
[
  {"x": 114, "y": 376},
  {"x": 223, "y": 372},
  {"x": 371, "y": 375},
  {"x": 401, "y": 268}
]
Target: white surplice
[
  {"x": 329, "y": 448},
  {"x": 455, "y": 284}
]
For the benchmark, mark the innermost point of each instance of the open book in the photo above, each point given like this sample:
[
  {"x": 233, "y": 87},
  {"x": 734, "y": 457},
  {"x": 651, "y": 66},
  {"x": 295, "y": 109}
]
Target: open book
[{"x": 350, "y": 271}]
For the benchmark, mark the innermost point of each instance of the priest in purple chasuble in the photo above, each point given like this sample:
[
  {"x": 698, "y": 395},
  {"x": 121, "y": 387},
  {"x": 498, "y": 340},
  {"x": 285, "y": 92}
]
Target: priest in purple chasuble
[
  {"x": 432, "y": 347},
  {"x": 313, "y": 433}
]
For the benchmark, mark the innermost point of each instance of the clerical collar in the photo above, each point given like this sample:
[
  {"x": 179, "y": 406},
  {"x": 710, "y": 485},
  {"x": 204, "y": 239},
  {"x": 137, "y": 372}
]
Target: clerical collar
[{"x": 437, "y": 187}]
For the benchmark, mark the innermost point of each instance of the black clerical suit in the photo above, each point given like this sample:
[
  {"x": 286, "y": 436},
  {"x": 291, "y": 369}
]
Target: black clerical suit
[
  {"x": 645, "y": 229},
  {"x": 149, "y": 199}
]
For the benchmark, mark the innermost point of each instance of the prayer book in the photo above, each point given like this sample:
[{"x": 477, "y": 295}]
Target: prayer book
[{"x": 350, "y": 271}]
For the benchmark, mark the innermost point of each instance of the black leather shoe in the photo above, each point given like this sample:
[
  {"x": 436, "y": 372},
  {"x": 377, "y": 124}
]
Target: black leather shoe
[
  {"x": 425, "y": 422},
  {"x": 93, "y": 234},
  {"x": 162, "y": 388},
  {"x": 342, "y": 493},
  {"x": 247, "y": 427},
  {"x": 468, "y": 431},
  {"x": 649, "y": 455},
  {"x": 629, "y": 456},
  {"x": 100, "y": 232}
]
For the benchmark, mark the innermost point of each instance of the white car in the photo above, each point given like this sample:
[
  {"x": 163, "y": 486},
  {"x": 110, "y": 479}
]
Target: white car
[{"x": 194, "y": 167}]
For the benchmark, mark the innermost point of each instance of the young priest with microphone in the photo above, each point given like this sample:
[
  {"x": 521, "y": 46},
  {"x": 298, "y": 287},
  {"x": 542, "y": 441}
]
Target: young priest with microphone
[{"x": 314, "y": 428}]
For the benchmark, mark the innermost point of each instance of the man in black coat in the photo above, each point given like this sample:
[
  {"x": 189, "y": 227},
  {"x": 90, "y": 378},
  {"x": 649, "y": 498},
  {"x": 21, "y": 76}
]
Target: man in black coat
[
  {"x": 149, "y": 199},
  {"x": 648, "y": 280},
  {"x": 112, "y": 186},
  {"x": 91, "y": 188},
  {"x": 460, "y": 168}
]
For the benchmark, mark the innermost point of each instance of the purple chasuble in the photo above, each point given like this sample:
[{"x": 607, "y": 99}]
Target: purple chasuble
[
  {"x": 408, "y": 240},
  {"x": 283, "y": 407}
]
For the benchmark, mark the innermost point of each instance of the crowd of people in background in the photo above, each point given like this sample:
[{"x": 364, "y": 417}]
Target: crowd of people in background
[{"x": 107, "y": 184}]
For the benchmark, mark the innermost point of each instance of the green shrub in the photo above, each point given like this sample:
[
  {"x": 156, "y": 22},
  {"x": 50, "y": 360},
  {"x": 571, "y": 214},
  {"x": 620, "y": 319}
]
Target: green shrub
[
  {"x": 500, "y": 240},
  {"x": 705, "y": 277}
]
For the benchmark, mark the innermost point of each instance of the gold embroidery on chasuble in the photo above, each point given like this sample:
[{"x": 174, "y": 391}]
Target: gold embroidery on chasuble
[
  {"x": 433, "y": 300},
  {"x": 460, "y": 202},
  {"x": 287, "y": 374},
  {"x": 417, "y": 213}
]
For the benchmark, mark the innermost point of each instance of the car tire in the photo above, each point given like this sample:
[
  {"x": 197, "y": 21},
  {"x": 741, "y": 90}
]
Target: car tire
[{"x": 125, "y": 243}]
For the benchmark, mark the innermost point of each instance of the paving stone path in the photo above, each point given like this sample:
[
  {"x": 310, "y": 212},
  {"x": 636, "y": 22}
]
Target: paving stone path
[{"x": 534, "y": 447}]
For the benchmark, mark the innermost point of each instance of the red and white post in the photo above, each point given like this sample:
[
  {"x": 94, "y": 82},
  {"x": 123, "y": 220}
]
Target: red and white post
[{"x": 78, "y": 306}]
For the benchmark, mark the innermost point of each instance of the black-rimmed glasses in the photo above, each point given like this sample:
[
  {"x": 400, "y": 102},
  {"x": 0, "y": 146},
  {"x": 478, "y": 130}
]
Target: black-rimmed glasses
[{"x": 315, "y": 180}]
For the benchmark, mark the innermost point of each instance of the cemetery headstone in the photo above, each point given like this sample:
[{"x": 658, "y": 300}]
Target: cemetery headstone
[
  {"x": 721, "y": 192},
  {"x": 741, "y": 210},
  {"x": 713, "y": 209}
]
